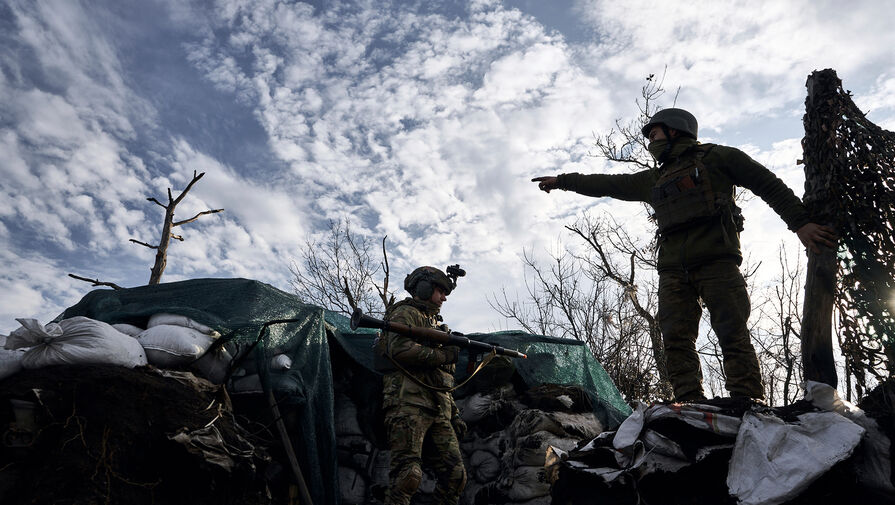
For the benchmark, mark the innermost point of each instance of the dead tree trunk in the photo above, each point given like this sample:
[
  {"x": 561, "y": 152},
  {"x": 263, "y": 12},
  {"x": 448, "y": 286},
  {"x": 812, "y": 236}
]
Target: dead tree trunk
[
  {"x": 161, "y": 254},
  {"x": 820, "y": 284}
]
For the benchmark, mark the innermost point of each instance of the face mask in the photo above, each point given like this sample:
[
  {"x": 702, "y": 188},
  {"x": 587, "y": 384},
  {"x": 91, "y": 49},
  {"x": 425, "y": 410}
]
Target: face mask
[{"x": 657, "y": 147}]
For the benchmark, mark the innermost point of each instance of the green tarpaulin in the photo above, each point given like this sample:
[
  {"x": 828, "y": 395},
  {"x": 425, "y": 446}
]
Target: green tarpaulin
[{"x": 239, "y": 308}]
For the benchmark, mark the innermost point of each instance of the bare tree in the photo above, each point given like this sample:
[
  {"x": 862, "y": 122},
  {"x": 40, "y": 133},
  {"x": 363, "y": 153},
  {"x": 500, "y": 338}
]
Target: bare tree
[
  {"x": 161, "y": 249},
  {"x": 340, "y": 273},
  {"x": 161, "y": 255},
  {"x": 566, "y": 299}
]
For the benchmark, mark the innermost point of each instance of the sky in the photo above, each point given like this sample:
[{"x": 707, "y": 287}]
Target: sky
[{"x": 420, "y": 121}]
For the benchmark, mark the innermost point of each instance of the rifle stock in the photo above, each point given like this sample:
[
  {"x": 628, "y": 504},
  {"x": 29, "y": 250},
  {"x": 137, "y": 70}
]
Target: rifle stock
[{"x": 360, "y": 320}]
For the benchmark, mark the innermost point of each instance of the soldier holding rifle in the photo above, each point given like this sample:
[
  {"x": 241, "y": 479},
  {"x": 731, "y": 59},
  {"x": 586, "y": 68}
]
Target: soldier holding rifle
[{"x": 417, "y": 402}]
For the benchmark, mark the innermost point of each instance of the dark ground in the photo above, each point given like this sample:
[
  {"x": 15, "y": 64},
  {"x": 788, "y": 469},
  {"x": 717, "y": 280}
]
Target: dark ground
[{"x": 101, "y": 435}]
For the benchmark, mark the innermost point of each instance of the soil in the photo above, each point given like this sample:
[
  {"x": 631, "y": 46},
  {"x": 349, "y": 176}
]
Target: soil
[{"x": 100, "y": 434}]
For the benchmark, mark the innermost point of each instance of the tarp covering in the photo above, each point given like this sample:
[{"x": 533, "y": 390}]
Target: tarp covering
[
  {"x": 239, "y": 308},
  {"x": 550, "y": 361}
]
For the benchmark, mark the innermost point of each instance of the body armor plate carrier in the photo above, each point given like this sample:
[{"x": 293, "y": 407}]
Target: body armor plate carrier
[{"x": 683, "y": 195}]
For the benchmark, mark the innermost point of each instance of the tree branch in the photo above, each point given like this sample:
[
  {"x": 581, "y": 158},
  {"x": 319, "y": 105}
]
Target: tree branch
[
  {"x": 143, "y": 244},
  {"x": 190, "y": 220},
  {"x": 96, "y": 282}
]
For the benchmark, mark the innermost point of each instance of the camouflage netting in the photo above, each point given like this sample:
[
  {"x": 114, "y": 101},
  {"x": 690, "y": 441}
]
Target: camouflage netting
[{"x": 850, "y": 179}]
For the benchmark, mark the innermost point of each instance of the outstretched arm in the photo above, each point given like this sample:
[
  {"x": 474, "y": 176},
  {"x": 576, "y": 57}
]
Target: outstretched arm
[{"x": 815, "y": 236}]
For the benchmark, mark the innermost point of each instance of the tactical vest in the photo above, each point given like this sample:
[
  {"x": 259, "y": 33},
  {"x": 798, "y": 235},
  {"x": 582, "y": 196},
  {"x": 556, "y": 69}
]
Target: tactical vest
[
  {"x": 380, "y": 346},
  {"x": 683, "y": 195}
]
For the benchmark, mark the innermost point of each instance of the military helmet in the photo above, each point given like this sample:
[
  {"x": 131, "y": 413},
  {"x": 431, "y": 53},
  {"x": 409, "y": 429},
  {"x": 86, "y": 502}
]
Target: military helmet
[
  {"x": 679, "y": 119},
  {"x": 421, "y": 282}
]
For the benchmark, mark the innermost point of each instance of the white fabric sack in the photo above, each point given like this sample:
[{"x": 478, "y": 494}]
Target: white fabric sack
[
  {"x": 524, "y": 483},
  {"x": 531, "y": 450},
  {"x": 484, "y": 467},
  {"x": 345, "y": 416},
  {"x": 10, "y": 360},
  {"x": 248, "y": 384},
  {"x": 75, "y": 341},
  {"x": 128, "y": 329},
  {"x": 774, "y": 461},
  {"x": 169, "y": 346},
  {"x": 213, "y": 365},
  {"x": 163, "y": 318},
  {"x": 873, "y": 464},
  {"x": 352, "y": 486},
  {"x": 276, "y": 362}
]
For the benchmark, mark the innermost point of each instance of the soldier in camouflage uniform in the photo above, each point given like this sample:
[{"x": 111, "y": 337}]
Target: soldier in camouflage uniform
[
  {"x": 692, "y": 193},
  {"x": 421, "y": 418}
]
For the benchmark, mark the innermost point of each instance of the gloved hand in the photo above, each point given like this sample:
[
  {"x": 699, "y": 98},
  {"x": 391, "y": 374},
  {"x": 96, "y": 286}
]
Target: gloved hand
[{"x": 459, "y": 427}]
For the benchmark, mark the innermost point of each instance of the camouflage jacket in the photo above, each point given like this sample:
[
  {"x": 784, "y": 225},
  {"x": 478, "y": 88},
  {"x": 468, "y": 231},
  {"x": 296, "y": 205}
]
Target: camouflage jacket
[
  {"x": 708, "y": 241},
  {"x": 427, "y": 362}
]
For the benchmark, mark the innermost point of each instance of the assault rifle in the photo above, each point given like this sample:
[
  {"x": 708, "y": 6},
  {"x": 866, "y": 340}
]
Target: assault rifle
[{"x": 359, "y": 320}]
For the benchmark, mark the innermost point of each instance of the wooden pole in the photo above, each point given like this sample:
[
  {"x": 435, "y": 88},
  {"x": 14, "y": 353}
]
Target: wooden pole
[{"x": 820, "y": 284}]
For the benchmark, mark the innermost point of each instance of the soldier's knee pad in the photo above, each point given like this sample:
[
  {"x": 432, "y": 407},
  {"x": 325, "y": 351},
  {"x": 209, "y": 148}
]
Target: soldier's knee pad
[
  {"x": 410, "y": 478},
  {"x": 458, "y": 478}
]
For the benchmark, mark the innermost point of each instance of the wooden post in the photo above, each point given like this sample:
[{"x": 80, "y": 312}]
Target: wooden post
[{"x": 820, "y": 284}]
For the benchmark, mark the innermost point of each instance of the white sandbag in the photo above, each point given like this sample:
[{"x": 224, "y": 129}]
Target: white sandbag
[
  {"x": 247, "y": 384},
  {"x": 484, "y": 467},
  {"x": 76, "y": 341},
  {"x": 578, "y": 425},
  {"x": 213, "y": 365},
  {"x": 531, "y": 450},
  {"x": 873, "y": 464},
  {"x": 276, "y": 362},
  {"x": 475, "y": 407},
  {"x": 32, "y": 333},
  {"x": 163, "y": 318},
  {"x": 532, "y": 421},
  {"x": 345, "y": 416},
  {"x": 774, "y": 461},
  {"x": 128, "y": 329},
  {"x": 10, "y": 360},
  {"x": 169, "y": 345},
  {"x": 352, "y": 486},
  {"x": 493, "y": 443},
  {"x": 524, "y": 483}
]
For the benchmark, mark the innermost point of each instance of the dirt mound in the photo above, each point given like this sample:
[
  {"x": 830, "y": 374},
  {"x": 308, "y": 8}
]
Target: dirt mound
[{"x": 106, "y": 434}]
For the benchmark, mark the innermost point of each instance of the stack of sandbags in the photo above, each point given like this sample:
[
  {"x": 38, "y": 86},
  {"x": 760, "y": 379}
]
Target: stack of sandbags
[
  {"x": 74, "y": 341},
  {"x": 173, "y": 341},
  {"x": 246, "y": 377},
  {"x": 524, "y": 448}
]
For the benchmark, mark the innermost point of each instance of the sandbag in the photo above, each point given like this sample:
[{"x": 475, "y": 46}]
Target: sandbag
[
  {"x": 531, "y": 450},
  {"x": 532, "y": 421},
  {"x": 524, "y": 483},
  {"x": 276, "y": 362},
  {"x": 75, "y": 341},
  {"x": 10, "y": 360},
  {"x": 484, "y": 467},
  {"x": 578, "y": 425},
  {"x": 165, "y": 319},
  {"x": 352, "y": 486},
  {"x": 345, "y": 416},
  {"x": 170, "y": 346},
  {"x": 213, "y": 365},
  {"x": 128, "y": 329}
]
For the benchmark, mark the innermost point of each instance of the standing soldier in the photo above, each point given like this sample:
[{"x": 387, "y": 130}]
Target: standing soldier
[
  {"x": 692, "y": 194},
  {"x": 421, "y": 418}
]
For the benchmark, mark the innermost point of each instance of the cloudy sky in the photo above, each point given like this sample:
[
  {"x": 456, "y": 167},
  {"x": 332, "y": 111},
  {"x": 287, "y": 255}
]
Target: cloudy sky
[{"x": 419, "y": 120}]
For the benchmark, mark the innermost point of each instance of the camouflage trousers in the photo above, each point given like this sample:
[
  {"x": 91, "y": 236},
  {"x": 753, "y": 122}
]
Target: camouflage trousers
[
  {"x": 722, "y": 289},
  {"x": 418, "y": 436}
]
